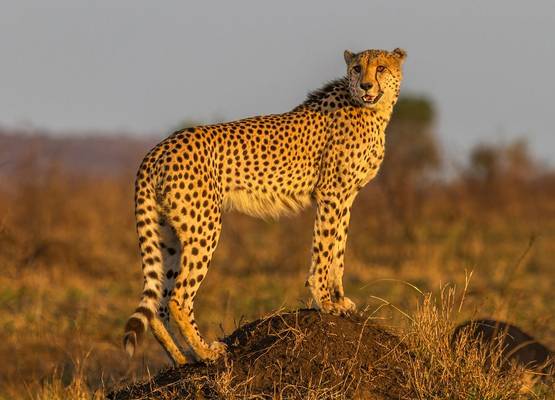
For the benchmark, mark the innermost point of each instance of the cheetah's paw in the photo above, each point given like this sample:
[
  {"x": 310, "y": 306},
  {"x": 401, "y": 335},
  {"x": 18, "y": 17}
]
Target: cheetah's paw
[
  {"x": 343, "y": 306},
  {"x": 211, "y": 353},
  {"x": 346, "y": 305},
  {"x": 217, "y": 350}
]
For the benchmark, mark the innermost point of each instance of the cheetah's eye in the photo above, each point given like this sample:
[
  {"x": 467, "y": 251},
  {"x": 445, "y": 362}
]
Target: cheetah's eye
[
  {"x": 357, "y": 69},
  {"x": 380, "y": 68}
]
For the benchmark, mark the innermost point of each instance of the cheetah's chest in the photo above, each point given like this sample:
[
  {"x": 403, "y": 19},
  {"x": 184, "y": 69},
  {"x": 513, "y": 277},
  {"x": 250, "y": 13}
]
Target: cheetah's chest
[
  {"x": 369, "y": 167},
  {"x": 364, "y": 154}
]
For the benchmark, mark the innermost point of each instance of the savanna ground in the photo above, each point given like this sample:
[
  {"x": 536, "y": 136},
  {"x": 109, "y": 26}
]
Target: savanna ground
[{"x": 71, "y": 272}]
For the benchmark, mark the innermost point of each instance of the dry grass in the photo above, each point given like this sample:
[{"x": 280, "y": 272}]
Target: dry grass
[
  {"x": 71, "y": 276},
  {"x": 55, "y": 388},
  {"x": 441, "y": 370},
  {"x": 423, "y": 362}
]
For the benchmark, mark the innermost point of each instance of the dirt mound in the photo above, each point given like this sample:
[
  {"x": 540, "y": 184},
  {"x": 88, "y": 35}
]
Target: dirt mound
[{"x": 302, "y": 354}]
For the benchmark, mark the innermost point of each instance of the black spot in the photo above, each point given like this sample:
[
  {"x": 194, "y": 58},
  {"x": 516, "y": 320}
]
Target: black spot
[
  {"x": 151, "y": 294},
  {"x": 146, "y": 312}
]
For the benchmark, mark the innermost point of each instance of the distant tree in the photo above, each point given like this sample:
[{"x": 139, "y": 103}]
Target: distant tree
[
  {"x": 497, "y": 164},
  {"x": 485, "y": 163},
  {"x": 500, "y": 174},
  {"x": 520, "y": 164},
  {"x": 412, "y": 150},
  {"x": 412, "y": 157}
]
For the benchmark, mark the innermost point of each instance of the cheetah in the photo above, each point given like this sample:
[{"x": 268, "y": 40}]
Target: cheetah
[{"x": 323, "y": 152}]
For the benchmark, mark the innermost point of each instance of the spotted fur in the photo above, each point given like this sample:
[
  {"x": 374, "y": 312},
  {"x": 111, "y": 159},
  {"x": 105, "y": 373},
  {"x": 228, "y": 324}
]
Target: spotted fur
[{"x": 323, "y": 151}]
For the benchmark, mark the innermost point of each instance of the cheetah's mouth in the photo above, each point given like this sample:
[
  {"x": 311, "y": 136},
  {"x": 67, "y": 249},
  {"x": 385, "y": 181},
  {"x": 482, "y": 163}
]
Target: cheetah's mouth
[{"x": 368, "y": 99}]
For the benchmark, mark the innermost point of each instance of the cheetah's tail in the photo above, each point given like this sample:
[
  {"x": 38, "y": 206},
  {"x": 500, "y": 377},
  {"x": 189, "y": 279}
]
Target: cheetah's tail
[{"x": 147, "y": 216}]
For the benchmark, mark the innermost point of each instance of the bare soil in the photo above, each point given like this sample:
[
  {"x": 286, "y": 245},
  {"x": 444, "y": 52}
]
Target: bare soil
[{"x": 302, "y": 354}]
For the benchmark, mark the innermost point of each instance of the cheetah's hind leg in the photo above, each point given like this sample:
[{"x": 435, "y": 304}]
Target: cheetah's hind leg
[
  {"x": 198, "y": 230},
  {"x": 152, "y": 306},
  {"x": 160, "y": 324}
]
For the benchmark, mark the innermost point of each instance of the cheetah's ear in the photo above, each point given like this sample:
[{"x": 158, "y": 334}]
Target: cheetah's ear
[
  {"x": 400, "y": 54},
  {"x": 348, "y": 55}
]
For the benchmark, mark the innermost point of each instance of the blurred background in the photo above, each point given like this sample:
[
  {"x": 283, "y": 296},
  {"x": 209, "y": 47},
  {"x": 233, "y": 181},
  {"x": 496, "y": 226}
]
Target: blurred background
[{"x": 86, "y": 88}]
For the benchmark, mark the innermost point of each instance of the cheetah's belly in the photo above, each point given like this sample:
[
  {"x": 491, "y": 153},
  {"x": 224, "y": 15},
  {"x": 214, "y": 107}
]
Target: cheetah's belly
[{"x": 265, "y": 205}]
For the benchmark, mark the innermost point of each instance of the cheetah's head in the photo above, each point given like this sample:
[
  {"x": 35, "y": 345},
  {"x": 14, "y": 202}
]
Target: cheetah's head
[{"x": 374, "y": 76}]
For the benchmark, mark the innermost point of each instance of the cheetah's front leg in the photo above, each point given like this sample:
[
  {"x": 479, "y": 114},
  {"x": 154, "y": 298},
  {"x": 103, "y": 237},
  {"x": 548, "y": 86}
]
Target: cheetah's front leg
[
  {"x": 335, "y": 279},
  {"x": 325, "y": 276}
]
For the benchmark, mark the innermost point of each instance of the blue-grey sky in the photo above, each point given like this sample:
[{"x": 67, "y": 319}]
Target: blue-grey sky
[{"x": 143, "y": 66}]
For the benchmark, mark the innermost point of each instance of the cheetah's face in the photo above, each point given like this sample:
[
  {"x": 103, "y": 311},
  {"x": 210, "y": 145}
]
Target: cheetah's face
[{"x": 374, "y": 76}]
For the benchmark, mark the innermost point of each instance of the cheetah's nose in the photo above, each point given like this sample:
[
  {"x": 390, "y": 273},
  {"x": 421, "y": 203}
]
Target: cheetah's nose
[{"x": 366, "y": 86}]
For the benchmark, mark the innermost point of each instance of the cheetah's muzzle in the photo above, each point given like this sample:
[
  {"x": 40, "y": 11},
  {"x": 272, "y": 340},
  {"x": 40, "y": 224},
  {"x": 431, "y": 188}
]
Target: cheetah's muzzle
[{"x": 372, "y": 99}]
